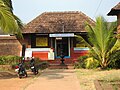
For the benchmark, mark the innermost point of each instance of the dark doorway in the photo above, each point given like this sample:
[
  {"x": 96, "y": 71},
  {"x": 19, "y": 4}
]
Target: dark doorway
[
  {"x": 62, "y": 46},
  {"x": 23, "y": 50}
]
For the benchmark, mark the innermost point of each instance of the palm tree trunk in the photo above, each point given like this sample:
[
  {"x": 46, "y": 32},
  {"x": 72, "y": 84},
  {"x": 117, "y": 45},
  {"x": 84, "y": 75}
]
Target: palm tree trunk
[{"x": 104, "y": 63}]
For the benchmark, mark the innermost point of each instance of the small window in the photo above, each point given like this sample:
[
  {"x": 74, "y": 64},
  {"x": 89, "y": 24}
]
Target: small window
[
  {"x": 78, "y": 43},
  {"x": 41, "y": 41}
]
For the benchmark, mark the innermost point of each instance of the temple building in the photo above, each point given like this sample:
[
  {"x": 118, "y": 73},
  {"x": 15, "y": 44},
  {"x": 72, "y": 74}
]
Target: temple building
[{"x": 52, "y": 35}]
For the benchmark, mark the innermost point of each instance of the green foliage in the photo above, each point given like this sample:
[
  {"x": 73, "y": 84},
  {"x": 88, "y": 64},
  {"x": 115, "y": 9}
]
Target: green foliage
[
  {"x": 38, "y": 63},
  {"x": 81, "y": 62},
  {"x": 86, "y": 62},
  {"x": 15, "y": 60},
  {"x": 115, "y": 59},
  {"x": 43, "y": 65},
  {"x": 91, "y": 63},
  {"x": 101, "y": 39},
  {"x": 79, "y": 43},
  {"x": 8, "y": 3},
  {"x": 117, "y": 45},
  {"x": 82, "y": 58},
  {"x": 78, "y": 65},
  {"x": 9, "y": 60},
  {"x": 9, "y": 23}
]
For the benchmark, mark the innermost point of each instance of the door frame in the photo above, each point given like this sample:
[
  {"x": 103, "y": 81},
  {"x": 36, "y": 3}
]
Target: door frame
[{"x": 68, "y": 48}]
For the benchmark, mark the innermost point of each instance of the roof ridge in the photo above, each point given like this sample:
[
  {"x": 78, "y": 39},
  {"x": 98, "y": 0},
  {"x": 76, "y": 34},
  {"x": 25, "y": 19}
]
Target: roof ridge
[{"x": 61, "y": 12}]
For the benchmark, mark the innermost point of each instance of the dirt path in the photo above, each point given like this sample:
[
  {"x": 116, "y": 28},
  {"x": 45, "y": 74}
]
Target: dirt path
[
  {"x": 60, "y": 79},
  {"x": 55, "y": 80},
  {"x": 10, "y": 81}
]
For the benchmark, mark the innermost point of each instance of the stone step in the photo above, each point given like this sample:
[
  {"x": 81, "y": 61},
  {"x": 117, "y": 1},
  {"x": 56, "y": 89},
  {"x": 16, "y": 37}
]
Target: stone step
[
  {"x": 58, "y": 66},
  {"x": 59, "y": 61}
]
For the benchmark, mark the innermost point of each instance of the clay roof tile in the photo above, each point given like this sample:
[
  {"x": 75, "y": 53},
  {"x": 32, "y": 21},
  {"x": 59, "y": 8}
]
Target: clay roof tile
[{"x": 53, "y": 22}]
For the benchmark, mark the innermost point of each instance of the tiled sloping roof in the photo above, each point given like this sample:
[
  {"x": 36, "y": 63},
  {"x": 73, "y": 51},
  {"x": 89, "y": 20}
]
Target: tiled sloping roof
[
  {"x": 53, "y": 22},
  {"x": 117, "y": 7},
  {"x": 115, "y": 10},
  {"x": 7, "y": 37}
]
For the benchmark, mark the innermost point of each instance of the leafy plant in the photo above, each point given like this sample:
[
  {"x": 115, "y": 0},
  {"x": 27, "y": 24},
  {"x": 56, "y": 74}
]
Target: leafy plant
[
  {"x": 43, "y": 65},
  {"x": 91, "y": 63},
  {"x": 81, "y": 62},
  {"x": 115, "y": 59},
  {"x": 38, "y": 63},
  {"x": 101, "y": 39},
  {"x": 9, "y": 60},
  {"x": 9, "y": 23}
]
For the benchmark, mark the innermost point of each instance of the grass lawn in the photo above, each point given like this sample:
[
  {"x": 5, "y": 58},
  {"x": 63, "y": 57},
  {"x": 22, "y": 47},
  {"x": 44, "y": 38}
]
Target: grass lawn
[{"x": 87, "y": 77}]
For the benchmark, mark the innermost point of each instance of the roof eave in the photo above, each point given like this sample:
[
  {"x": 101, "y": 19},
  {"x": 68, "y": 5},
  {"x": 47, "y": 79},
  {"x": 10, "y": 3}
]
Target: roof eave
[{"x": 113, "y": 12}]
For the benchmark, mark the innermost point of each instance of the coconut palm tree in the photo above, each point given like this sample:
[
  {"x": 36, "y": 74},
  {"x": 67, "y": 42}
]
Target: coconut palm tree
[
  {"x": 9, "y": 4},
  {"x": 9, "y": 22},
  {"x": 101, "y": 39}
]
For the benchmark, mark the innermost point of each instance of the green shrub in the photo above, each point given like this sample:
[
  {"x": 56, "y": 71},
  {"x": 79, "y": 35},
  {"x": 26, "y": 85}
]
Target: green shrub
[
  {"x": 38, "y": 63},
  {"x": 9, "y": 60},
  {"x": 43, "y": 65},
  {"x": 86, "y": 62},
  {"x": 91, "y": 63},
  {"x": 81, "y": 62},
  {"x": 78, "y": 65},
  {"x": 115, "y": 59}
]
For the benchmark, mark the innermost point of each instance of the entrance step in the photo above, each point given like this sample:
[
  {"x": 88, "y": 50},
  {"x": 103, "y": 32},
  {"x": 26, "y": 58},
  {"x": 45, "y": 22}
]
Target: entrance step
[
  {"x": 58, "y": 61},
  {"x": 60, "y": 66}
]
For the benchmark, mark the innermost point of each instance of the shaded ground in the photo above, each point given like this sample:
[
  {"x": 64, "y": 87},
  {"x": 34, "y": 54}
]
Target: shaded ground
[
  {"x": 10, "y": 81},
  {"x": 7, "y": 75}
]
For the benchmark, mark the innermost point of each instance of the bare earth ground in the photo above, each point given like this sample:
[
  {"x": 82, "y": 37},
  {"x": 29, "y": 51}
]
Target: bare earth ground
[
  {"x": 86, "y": 77},
  {"x": 55, "y": 79},
  {"x": 58, "y": 80},
  {"x": 10, "y": 81}
]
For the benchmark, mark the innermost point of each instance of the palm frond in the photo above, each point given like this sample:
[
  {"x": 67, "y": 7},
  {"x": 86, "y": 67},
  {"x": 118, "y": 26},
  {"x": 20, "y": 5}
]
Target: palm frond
[
  {"x": 20, "y": 26},
  {"x": 8, "y": 3},
  {"x": 9, "y": 22},
  {"x": 83, "y": 40},
  {"x": 102, "y": 38}
]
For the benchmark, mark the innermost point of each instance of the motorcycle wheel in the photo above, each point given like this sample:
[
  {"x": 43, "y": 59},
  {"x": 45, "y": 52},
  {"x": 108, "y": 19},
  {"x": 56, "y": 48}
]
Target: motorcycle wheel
[
  {"x": 26, "y": 74},
  {"x": 35, "y": 72},
  {"x": 20, "y": 76}
]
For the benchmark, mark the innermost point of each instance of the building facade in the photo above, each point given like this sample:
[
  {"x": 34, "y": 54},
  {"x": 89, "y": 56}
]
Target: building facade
[
  {"x": 52, "y": 35},
  {"x": 115, "y": 11}
]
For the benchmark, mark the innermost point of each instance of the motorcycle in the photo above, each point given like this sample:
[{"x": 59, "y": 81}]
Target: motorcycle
[
  {"x": 33, "y": 67},
  {"x": 21, "y": 71}
]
